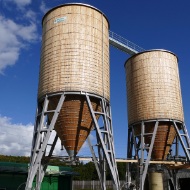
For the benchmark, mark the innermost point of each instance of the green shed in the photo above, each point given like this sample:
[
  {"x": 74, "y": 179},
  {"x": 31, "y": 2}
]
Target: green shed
[{"x": 13, "y": 176}]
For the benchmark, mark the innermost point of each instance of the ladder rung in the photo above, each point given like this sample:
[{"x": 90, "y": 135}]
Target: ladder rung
[
  {"x": 143, "y": 148},
  {"x": 145, "y": 134},
  {"x": 43, "y": 130},
  {"x": 104, "y": 132},
  {"x": 50, "y": 111},
  {"x": 99, "y": 113},
  {"x": 183, "y": 134},
  {"x": 148, "y": 134}
]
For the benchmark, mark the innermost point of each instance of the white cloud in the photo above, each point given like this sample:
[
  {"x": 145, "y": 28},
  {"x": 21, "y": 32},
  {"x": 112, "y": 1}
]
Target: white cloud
[
  {"x": 28, "y": 33},
  {"x": 14, "y": 37},
  {"x": 16, "y": 140},
  {"x": 20, "y": 3},
  {"x": 31, "y": 15},
  {"x": 8, "y": 58},
  {"x": 43, "y": 7}
]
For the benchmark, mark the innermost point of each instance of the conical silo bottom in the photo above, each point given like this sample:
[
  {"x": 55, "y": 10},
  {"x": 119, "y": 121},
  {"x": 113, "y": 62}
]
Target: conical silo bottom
[
  {"x": 164, "y": 138},
  {"x": 74, "y": 122}
]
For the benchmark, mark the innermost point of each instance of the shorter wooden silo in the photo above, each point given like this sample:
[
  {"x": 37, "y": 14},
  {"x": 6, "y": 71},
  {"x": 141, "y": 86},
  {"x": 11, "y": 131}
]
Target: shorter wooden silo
[{"x": 153, "y": 93}]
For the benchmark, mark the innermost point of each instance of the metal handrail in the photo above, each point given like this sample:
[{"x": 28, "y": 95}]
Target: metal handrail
[{"x": 125, "y": 42}]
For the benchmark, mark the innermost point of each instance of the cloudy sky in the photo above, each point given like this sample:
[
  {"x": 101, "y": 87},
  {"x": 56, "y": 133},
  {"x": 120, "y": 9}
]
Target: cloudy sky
[{"x": 150, "y": 24}]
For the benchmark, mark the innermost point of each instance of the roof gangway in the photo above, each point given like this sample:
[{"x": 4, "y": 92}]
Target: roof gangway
[{"x": 123, "y": 44}]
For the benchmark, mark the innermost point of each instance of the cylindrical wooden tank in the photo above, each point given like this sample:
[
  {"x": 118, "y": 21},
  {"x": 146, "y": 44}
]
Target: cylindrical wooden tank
[
  {"x": 153, "y": 92},
  {"x": 155, "y": 181},
  {"x": 74, "y": 57}
]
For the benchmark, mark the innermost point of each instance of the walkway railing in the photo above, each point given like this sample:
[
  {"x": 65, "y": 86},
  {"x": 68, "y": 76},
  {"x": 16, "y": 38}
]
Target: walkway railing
[{"x": 124, "y": 44}]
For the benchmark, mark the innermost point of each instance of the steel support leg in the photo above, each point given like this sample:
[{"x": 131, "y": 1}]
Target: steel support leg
[
  {"x": 137, "y": 145},
  {"x": 105, "y": 142},
  {"x": 144, "y": 163},
  {"x": 42, "y": 133},
  {"x": 183, "y": 137},
  {"x": 132, "y": 148},
  {"x": 44, "y": 127},
  {"x": 174, "y": 178},
  {"x": 129, "y": 156},
  {"x": 97, "y": 164}
]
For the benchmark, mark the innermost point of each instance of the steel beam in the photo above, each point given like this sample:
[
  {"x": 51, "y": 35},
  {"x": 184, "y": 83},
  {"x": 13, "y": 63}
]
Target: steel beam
[
  {"x": 41, "y": 137},
  {"x": 137, "y": 146},
  {"x": 105, "y": 142},
  {"x": 44, "y": 127}
]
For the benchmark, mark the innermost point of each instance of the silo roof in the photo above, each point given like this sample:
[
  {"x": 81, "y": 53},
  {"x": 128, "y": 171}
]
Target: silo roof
[
  {"x": 69, "y": 4},
  {"x": 151, "y": 50}
]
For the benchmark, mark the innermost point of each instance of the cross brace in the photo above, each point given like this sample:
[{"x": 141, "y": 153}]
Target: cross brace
[
  {"x": 42, "y": 132},
  {"x": 137, "y": 146}
]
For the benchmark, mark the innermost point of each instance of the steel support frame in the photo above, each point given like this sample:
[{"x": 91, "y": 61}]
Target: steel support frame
[
  {"x": 183, "y": 139},
  {"x": 104, "y": 144},
  {"x": 137, "y": 147},
  {"x": 42, "y": 132}
]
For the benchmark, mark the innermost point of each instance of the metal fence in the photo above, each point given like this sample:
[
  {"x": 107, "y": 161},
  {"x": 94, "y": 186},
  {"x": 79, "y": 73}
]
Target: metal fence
[{"x": 92, "y": 185}]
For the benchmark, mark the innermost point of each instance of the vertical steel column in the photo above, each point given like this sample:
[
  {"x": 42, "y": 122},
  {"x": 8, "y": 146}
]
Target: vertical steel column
[
  {"x": 41, "y": 137},
  {"x": 129, "y": 156},
  {"x": 149, "y": 153},
  {"x": 136, "y": 144},
  {"x": 96, "y": 163},
  {"x": 45, "y": 160},
  {"x": 141, "y": 163},
  {"x": 174, "y": 178},
  {"x": 139, "y": 145},
  {"x": 105, "y": 142},
  {"x": 132, "y": 147}
]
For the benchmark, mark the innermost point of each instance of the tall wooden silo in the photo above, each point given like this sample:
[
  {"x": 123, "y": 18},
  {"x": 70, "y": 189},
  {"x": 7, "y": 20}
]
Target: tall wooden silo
[
  {"x": 74, "y": 58},
  {"x": 74, "y": 89}
]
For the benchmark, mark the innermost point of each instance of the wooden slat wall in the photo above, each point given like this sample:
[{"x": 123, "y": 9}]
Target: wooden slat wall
[
  {"x": 153, "y": 87},
  {"x": 74, "y": 57},
  {"x": 74, "y": 121},
  {"x": 153, "y": 92},
  {"x": 75, "y": 52}
]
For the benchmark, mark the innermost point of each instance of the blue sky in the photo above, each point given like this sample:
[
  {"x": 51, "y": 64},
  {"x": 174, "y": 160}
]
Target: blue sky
[{"x": 150, "y": 24}]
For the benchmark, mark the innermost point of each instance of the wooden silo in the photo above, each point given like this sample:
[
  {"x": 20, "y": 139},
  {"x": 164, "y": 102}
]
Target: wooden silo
[
  {"x": 74, "y": 58},
  {"x": 153, "y": 93}
]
